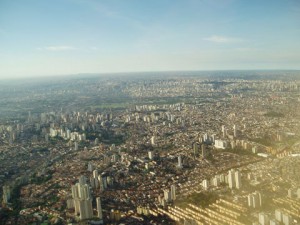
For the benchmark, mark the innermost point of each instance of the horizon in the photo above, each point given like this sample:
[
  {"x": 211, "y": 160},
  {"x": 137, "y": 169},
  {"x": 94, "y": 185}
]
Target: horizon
[
  {"x": 43, "y": 38},
  {"x": 143, "y": 73}
]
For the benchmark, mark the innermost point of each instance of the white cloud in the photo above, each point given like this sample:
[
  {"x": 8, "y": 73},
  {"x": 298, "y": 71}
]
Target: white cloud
[
  {"x": 57, "y": 48},
  {"x": 221, "y": 39}
]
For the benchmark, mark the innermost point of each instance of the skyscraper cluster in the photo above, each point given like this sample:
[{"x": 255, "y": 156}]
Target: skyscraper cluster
[
  {"x": 82, "y": 201},
  {"x": 234, "y": 179}
]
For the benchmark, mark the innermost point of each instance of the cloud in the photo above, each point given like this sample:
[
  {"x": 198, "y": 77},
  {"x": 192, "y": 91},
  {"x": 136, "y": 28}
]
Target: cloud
[
  {"x": 57, "y": 48},
  {"x": 221, "y": 39}
]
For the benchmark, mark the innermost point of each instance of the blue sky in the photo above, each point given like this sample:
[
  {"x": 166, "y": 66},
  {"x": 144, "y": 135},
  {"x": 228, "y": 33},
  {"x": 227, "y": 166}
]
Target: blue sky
[{"x": 53, "y": 37}]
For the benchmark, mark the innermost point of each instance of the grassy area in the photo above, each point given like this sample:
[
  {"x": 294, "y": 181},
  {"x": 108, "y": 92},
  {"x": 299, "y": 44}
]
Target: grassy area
[
  {"x": 238, "y": 151},
  {"x": 274, "y": 114},
  {"x": 203, "y": 199},
  {"x": 121, "y": 105}
]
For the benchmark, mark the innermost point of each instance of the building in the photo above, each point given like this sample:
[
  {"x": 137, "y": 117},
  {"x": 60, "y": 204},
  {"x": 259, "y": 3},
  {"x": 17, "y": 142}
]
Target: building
[
  {"x": 150, "y": 155},
  {"x": 278, "y": 215},
  {"x": 167, "y": 195},
  {"x": 6, "y": 194},
  {"x": 204, "y": 151},
  {"x": 254, "y": 200},
  {"x": 274, "y": 222},
  {"x": 237, "y": 177},
  {"x": 263, "y": 219},
  {"x": 220, "y": 144},
  {"x": 76, "y": 146},
  {"x": 95, "y": 174},
  {"x": 231, "y": 179},
  {"x": 152, "y": 140},
  {"x": 234, "y": 131},
  {"x": 286, "y": 219},
  {"x": 196, "y": 148},
  {"x": 205, "y": 184},
  {"x": 179, "y": 162},
  {"x": 82, "y": 180},
  {"x": 99, "y": 208},
  {"x": 82, "y": 200},
  {"x": 173, "y": 192},
  {"x": 223, "y": 131},
  {"x": 216, "y": 181},
  {"x": 90, "y": 167}
]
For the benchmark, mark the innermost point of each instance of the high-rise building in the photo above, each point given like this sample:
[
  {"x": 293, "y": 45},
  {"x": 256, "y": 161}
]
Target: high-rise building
[
  {"x": 220, "y": 144},
  {"x": 96, "y": 141},
  {"x": 6, "y": 194},
  {"x": 205, "y": 184},
  {"x": 263, "y": 219},
  {"x": 278, "y": 215},
  {"x": 274, "y": 222},
  {"x": 216, "y": 181},
  {"x": 167, "y": 195},
  {"x": 223, "y": 131},
  {"x": 95, "y": 174},
  {"x": 196, "y": 149},
  {"x": 76, "y": 146},
  {"x": 92, "y": 182},
  {"x": 90, "y": 167},
  {"x": 286, "y": 219},
  {"x": 204, "y": 151},
  {"x": 99, "y": 208},
  {"x": 179, "y": 162},
  {"x": 254, "y": 200},
  {"x": 152, "y": 140},
  {"x": 102, "y": 182},
  {"x": 173, "y": 192},
  {"x": 234, "y": 131},
  {"x": 150, "y": 155},
  {"x": 82, "y": 180},
  {"x": 237, "y": 177},
  {"x": 82, "y": 201},
  {"x": 231, "y": 180}
]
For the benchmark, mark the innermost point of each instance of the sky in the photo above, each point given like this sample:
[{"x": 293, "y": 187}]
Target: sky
[{"x": 59, "y": 37}]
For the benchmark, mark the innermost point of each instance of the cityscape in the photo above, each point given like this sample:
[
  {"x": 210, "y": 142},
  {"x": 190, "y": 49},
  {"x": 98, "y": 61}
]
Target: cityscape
[
  {"x": 139, "y": 112},
  {"x": 159, "y": 148}
]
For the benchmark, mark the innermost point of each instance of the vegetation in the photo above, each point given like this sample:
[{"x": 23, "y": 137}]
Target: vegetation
[
  {"x": 238, "y": 151},
  {"x": 203, "y": 199},
  {"x": 40, "y": 179},
  {"x": 274, "y": 114}
]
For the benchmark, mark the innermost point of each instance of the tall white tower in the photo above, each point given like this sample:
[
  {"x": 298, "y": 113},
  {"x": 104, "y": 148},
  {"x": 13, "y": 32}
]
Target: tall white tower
[
  {"x": 173, "y": 192},
  {"x": 237, "y": 177},
  {"x": 179, "y": 162},
  {"x": 223, "y": 131},
  {"x": 167, "y": 195},
  {"x": 82, "y": 201},
  {"x": 231, "y": 181},
  {"x": 99, "y": 208},
  {"x": 152, "y": 140},
  {"x": 234, "y": 131},
  {"x": 95, "y": 174},
  {"x": 150, "y": 155}
]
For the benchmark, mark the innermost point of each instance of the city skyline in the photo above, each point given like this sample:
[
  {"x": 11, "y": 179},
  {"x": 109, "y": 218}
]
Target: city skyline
[{"x": 43, "y": 38}]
